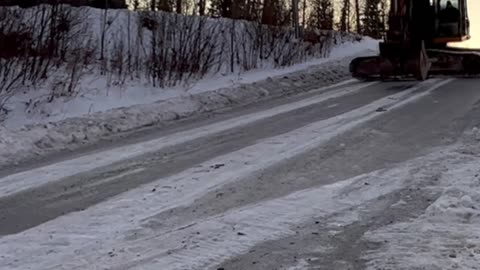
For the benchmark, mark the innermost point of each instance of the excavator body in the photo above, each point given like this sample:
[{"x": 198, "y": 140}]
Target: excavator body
[{"x": 416, "y": 42}]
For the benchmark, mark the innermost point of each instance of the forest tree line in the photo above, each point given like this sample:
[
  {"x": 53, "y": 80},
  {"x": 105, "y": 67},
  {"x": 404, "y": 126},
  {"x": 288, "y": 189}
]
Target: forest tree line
[{"x": 366, "y": 17}]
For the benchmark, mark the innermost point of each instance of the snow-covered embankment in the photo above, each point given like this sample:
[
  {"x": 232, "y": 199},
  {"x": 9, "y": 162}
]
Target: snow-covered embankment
[{"x": 99, "y": 110}]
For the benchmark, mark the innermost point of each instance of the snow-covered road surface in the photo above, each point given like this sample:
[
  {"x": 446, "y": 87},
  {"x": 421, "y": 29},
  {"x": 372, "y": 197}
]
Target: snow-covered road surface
[
  {"x": 349, "y": 177},
  {"x": 43, "y": 175}
]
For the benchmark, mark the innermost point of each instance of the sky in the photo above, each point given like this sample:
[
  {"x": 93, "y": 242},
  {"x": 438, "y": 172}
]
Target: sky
[
  {"x": 474, "y": 14},
  {"x": 474, "y": 10}
]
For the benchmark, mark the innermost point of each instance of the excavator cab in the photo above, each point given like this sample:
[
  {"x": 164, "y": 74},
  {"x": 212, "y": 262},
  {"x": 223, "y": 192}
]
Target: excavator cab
[
  {"x": 416, "y": 43},
  {"x": 451, "y": 23}
]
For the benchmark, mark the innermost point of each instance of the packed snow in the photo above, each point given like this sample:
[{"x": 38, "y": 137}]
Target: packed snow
[
  {"x": 447, "y": 235},
  {"x": 40, "y": 139},
  {"x": 125, "y": 231},
  {"x": 328, "y": 128},
  {"x": 96, "y": 95},
  {"x": 43, "y": 175}
]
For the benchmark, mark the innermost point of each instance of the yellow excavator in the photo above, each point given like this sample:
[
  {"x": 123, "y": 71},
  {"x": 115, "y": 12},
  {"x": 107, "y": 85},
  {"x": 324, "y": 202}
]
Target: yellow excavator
[{"x": 416, "y": 42}]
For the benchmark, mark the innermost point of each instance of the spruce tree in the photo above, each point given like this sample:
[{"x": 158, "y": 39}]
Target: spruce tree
[
  {"x": 165, "y": 5},
  {"x": 221, "y": 8},
  {"x": 322, "y": 14},
  {"x": 275, "y": 12},
  {"x": 344, "y": 24},
  {"x": 373, "y": 23}
]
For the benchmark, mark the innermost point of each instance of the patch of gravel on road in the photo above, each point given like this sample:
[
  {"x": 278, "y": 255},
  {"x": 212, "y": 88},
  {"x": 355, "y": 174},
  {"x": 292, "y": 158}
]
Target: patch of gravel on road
[{"x": 38, "y": 140}]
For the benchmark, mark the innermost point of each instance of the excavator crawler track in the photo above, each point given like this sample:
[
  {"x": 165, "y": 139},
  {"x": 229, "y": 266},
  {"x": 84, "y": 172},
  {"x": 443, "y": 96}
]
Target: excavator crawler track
[
  {"x": 449, "y": 62},
  {"x": 415, "y": 43},
  {"x": 395, "y": 60}
]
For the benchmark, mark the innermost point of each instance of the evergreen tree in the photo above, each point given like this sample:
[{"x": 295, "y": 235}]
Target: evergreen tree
[
  {"x": 165, "y": 5},
  {"x": 268, "y": 13},
  {"x": 179, "y": 6},
  {"x": 201, "y": 7},
  {"x": 275, "y": 12},
  {"x": 105, "y": 4},
  {"x": 358, "y": 25},
  {"x": 321, "y": 16},
  {"x": 238, "y": 9},
  {"x": 253, "y": 10},
  {"x": 136, "y": 4},
  {"x": 221, "y": 8},
  {"x": 344, "y": 24},
  {"x": 373, "y": 23}
]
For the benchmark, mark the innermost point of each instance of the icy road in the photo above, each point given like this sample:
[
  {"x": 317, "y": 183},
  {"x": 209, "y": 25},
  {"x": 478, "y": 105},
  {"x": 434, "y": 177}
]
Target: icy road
[{"x": 359, "y": 175}]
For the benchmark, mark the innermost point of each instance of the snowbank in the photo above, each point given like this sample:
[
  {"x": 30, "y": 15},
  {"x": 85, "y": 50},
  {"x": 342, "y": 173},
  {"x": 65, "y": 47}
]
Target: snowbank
[
  {"x": 83, "y": 127},
  {"x": 66, "y": 52},
  {"x": 151, "y": 67},
  {"x": 95, "y": 96}
]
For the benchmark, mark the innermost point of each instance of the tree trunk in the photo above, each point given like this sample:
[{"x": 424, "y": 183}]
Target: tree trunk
[
  {"x": 250, "y": 10},
  {"x": 268, "y": 14},
  {"x": 357, "y": 15},
  {"x": 201, "y": 7},
  {"x": 104, "y": 30},
  {"x": 304, "y": 14},
  {"x": 345, "y": 16},
  {"x": 296, "y": 22},
  {"x": 227, "y": 6},
  {"x": 179, "y": 6},
  {"x": 153, "y": 5}
]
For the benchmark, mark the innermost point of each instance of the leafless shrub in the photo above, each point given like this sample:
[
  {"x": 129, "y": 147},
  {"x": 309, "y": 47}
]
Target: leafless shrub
[
  {"x": 167, "y": 49},
  {"x": 36, "y": 42},
  {"x": 248, "y": 45},
  {"x": 118, "y": 64},
  {"x": 148, "y": 20},
  {"x": 15, "y": 42},
  {"x": 182, "y": 48},
  {"x": 259, "y": 45}
]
